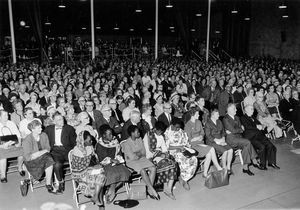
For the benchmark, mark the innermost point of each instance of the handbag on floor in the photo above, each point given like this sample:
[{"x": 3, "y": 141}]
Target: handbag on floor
[
  {"x": 137, "y": 192},
  {"x": 24, "y": 187},
  {"x": 217, "y": 179}
]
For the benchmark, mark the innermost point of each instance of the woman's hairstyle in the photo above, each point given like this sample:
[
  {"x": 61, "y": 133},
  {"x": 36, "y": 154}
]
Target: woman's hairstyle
[
  {"x": 160, "y": 126},
  {"x": 146, "y": 107},
  {"x": 104, "y": 128},
  {"x": 81, "y": 114},
  {"x": 33, "y": 124},
  {"x": 248, "y": 90},
  {"x": 119, "y": 97},
  {"x": 131, "y": 129},
  {"x": 2, "y": 111},
  {"x": 129, "y": 100},
  {"x": 193, "y": 111},
  {"x": 27, "y": 108},
  {"x": 16, "y": 102},
  {"x": 213, "y": 112}
]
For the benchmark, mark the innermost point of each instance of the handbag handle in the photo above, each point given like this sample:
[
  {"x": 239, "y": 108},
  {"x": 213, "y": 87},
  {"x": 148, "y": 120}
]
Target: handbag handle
[{"x": 7, "y": 128}]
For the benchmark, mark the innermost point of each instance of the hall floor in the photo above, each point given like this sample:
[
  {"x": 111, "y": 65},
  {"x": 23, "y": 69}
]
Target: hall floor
[{"x": 271, "y": 189}]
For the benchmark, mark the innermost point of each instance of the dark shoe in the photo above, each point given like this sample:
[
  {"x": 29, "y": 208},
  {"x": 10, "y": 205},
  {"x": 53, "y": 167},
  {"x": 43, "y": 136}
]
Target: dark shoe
[
  {"x": 61, "y": 186},
  {"x": 274, "y": 166},
  {"x": 170, "y": 195},
  {"x": 258, "y": 166},
  {"x": 154, "y": 197},
  {"x": 50, "y": 189},
  {"x": 22, "y": 173},
  {"x": 4, "y": 180},
  {"x": 248, "y": 172}
]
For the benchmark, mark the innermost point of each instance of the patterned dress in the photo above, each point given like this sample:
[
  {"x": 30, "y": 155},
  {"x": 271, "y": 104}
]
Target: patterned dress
[
  {"x": 187, "y": 165},
  {"x": 85, "y": 175},
  {"x": 166, "y": 167}
]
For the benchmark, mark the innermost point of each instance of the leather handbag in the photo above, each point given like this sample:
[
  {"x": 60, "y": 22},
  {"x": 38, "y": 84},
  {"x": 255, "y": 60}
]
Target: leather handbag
[
  {"x": 189, "y": 152},
  {"x": 217, "y": 179},
  {"x": 137, "y": 192},
  {"x": 6, "y": 138}
]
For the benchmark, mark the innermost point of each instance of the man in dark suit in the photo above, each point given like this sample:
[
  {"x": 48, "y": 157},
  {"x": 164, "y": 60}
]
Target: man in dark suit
[
  {"x": 81, "y": 105},
  {"x": 254, "y": 131},
  {"x": 106, "y": 118},
  {"x": 95, "y": 115},
  {"x": 45, "y": 100},
  {"x": 166, "y": 117},
  {"x": 116, "y": 113},
  {"x": 135, "y": 119},
  {"x": 234, "y": 130},
  {"x": 62, "y": 139},
  {"x": 286, "y": 108}
]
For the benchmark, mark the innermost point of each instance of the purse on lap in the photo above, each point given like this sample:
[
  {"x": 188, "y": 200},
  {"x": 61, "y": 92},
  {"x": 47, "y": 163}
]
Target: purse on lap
[{"x": 217, "y": 179}]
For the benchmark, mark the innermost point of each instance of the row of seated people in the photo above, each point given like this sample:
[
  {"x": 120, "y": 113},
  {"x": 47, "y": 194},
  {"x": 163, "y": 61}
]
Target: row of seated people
[{"x": 44, "y": 152}]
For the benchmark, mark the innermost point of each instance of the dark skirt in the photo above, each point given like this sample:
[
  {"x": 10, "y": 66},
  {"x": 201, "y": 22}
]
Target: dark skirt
[
  {"x": 38, "y": 166},
  {"x": 116, "y": 173},
  {"x": 220, "y": 149},
  {"x": 166, "y": 170}
]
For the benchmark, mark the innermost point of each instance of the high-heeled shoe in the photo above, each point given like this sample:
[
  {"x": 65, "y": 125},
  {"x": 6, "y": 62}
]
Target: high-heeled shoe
[
  {"x": 154, "y": 197},
  {"x": 22, "y": 173},
  {"x": 4, "y": 180}
]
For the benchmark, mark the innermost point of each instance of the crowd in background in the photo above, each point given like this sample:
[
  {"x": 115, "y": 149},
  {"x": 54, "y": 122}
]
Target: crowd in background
[{"x": 146, "y": 115}]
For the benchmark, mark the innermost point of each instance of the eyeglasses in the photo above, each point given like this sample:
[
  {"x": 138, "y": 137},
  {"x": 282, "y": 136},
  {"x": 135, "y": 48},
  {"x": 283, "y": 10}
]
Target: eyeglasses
[{"x": 89, "y": 105}]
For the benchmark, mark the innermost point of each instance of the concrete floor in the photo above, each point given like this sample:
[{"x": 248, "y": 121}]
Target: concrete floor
[{"x": 272, "y": 189}]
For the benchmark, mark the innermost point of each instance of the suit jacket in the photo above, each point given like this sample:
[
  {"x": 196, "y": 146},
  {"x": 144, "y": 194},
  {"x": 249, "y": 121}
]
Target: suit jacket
[
  {"x": 68, "y": 136},
  {"x": 77, "y": 108},
  {"x": 213, "y": 131},
  {"x": 113, "y": 124},
  {"x": 119, "y": 114},
  {"x": 284, "y": 108},
  {"x": 43, "y": 101},
  {"x": 95, "y": 123},
  {"x": 232, "y": 125},
  {"x": 250, "y": 123},
  {"x": 163, "y": 118}
]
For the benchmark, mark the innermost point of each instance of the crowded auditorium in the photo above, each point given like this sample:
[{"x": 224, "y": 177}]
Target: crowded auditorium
[{"x": 149, "y": 104}]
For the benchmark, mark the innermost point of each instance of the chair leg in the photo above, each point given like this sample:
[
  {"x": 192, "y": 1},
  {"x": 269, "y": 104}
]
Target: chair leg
[{"x": 241, "y": 157}]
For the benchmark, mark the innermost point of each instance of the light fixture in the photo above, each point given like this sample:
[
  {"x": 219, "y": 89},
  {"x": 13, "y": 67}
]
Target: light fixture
[
  {"x": 22, "y": 23},
  {"x": 285, "y": 16},
  {"x": 27, "y": 26},
  {"x": 282, "y": 6},
  {"x": 149, "y": 29},
  {"x": 234, "y": 11},
  {"x": 83, "y": 28},
  {"x": 98, "y": 27},
  {"x": 246, "y": 18},
  {"x": 171, "y": 27},
  {"x": 61, "y": 5},
  {"x": 193, "y": 30},
  {"x": 131, "y": 29},
  {"x": 198, "y": 14},
  {"x": 217, "y": 32},
  {"x": 116, "y": 27},
  {"x": 47, "y": 22},
  {"x": 169, "y": 5},
  {"x": 172, "y": 31}
]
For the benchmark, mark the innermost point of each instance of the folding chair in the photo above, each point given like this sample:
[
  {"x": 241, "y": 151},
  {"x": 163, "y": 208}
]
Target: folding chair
[
  {"x": 35, "y": 184},
  {"x": 238, "y": 152},
  {"x": 76, "y": 193}
]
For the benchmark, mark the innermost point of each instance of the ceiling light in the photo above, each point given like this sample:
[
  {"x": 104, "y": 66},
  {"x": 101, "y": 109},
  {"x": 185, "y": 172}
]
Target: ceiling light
[
  {"x": 217, "y": 32},
  {"x": 198, "y": 14},
  {"x": 27, "y": 26},
  {"x": 83, "y": 28},
  {"x": 282, "y": 6},
  {"x": 138, "y": 10},
  {"x": 169, "y": 5},
  {"x": 285, "y": 16},
  {"x": 234, "y": 11},
  {"x": 22, "y": 23},
  {"x": 98, "y": 27},
  {"x": 116, "y": 27},
  {"x": 246, "y": 18},
  {"x": 47, "y": 22},
  {"x": 149, "y": 29},
  {"x": 61, "y": 5},
  {"x": 193, "y": 30},
  {"x": 131, "y": 29},
  {"x": 171, "y": 27}
]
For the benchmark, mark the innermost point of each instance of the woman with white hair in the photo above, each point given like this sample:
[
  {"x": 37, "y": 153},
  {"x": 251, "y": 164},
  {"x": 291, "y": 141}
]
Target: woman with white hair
[
  {"x": 84, "y": 120},
  {"x": 264, "y": 116}
]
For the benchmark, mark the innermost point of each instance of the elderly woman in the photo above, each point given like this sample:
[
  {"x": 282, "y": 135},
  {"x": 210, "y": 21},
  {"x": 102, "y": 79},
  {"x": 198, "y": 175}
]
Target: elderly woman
[
  {"x": 33, "y": 103},
  {"x": 89, "y": 175},
  {"x": 177, "y": 143},
  {"x": 264, "y": 116},
  {"x": 9, "y": 149},
  {"x": 159, "y": 106},
  {"x": 37, "y": 157},
  {"x": 177, "y": 107},
  {"x": 195, "y": 133},
  {"x": 215, "y": 137},
  {"x": 135, "y": 157},
  {"x": 130, "y": 107},
  {"x": 250, "y": 99},
  {"x": 84, "y": 120},
  {"x": 157, "y": 151},
  {"x": 18, "y": 115},
  {"x": 109, "y": 155},
  {"x": 272, "y": 100}
]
